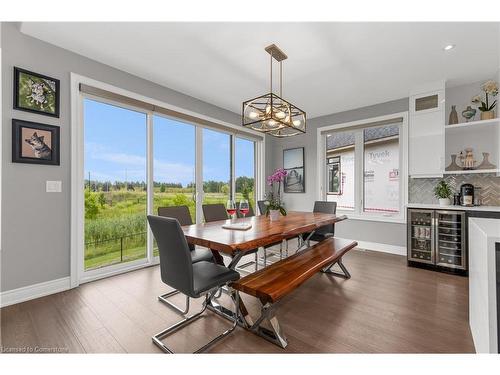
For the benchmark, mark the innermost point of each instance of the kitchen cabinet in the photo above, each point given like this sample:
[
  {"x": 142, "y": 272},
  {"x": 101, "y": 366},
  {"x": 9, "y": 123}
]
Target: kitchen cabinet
[{"x": 426, "y": 135}]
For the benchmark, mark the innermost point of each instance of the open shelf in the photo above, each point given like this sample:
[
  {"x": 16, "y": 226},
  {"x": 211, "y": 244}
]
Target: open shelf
[
  {"x": 472, "y": 125},
  {"x": 470, "y": 171}
]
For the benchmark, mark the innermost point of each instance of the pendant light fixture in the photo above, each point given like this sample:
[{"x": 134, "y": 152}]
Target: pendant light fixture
[{"x": 270, "y": 113}]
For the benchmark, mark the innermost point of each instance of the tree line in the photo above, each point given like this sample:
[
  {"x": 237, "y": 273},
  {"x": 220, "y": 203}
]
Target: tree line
[{"x": 242, "y": 184}]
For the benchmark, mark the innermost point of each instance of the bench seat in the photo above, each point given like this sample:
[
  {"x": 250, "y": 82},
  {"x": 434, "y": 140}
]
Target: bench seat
[{"x": 279, "y": 279}]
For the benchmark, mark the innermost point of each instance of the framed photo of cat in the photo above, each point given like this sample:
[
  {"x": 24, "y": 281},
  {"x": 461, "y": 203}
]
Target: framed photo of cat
[
  {"x": 35, "y": 143},
  {"x": 36, "y": 93}
]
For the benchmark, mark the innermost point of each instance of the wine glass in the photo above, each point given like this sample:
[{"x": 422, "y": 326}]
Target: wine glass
[
  {"x": 230, "y": 208},
  {"x": 244, "y": 207}
]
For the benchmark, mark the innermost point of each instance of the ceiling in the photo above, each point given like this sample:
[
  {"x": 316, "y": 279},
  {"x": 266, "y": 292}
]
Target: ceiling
[{"x": 331, "y": 67}]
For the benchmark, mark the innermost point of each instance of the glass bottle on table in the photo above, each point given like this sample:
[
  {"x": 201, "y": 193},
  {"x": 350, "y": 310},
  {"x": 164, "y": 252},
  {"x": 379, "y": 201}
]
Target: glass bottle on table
[
  {"x": 231, "y": 208},
  {"x": 244, "y": 207}
]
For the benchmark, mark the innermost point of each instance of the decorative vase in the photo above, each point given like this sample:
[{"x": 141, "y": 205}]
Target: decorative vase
[
  {"x": 487, "y": 115},
  {"x": 453, "y": 119},
  {"x": 469, "y": 113},
  {"x": 274, "y": 215},
  {"x": 453, "y": 165},
  {"x": 485, "y": 164},
  {"x": 444, "y": 202}
]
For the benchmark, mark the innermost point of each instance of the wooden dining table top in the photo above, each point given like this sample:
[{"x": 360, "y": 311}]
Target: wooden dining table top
[{"x": 262, "y": 233}]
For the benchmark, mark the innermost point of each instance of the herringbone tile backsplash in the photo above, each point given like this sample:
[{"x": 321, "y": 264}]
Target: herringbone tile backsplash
[{"x": 421, "y": 189}]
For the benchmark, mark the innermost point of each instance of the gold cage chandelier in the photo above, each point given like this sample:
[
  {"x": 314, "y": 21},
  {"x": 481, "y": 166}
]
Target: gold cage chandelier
[{"x": 270, "y": 113}]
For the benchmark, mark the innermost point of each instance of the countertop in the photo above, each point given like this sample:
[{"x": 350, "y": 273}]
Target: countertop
[
  {"x": 460, "y": 208},
  {"x": 483, "y": 235}
]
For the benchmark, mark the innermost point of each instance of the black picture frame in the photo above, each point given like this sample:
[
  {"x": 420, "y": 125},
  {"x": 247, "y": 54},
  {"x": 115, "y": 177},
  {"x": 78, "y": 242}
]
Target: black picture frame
[
  {"x": 16, "y": 93},
  {"x": 295, "y": 181},
  {"x": 18, "y": 141}
]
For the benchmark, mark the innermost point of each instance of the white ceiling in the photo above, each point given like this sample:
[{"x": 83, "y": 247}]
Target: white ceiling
[{"x": 331, "y": 67}]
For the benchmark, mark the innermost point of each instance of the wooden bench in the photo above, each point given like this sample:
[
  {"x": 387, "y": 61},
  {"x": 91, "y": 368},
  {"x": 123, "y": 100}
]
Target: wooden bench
[{"x": 273, "y": 283}]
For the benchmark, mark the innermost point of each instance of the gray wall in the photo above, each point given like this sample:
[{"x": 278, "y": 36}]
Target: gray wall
[
  {"x": 372, "y": 231},
  {"x": 35, "y": 224}
]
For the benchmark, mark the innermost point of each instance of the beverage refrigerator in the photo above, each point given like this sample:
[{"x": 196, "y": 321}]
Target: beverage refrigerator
[{"x": 437, "y": 238}]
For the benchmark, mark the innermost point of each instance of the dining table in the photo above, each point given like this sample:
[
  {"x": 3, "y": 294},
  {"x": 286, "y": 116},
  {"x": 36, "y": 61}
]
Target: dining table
[{"x": 235, "y": 243}]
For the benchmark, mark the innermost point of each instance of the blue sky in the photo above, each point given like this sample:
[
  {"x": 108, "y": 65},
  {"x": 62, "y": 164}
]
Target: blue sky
[{"x": 115, "y": 148}]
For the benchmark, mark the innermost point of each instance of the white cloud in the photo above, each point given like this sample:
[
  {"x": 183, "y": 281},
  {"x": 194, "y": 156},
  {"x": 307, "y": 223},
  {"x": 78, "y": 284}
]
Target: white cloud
[{"x": 164, "y": 171}]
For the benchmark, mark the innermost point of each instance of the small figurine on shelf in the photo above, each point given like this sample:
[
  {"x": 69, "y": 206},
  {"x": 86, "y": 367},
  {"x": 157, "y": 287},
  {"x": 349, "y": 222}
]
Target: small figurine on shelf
[{"x": 467, "y": 159}]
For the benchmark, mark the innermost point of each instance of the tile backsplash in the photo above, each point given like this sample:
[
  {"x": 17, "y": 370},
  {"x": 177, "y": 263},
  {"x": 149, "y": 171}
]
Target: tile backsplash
[{"x": 420, "y": 190}]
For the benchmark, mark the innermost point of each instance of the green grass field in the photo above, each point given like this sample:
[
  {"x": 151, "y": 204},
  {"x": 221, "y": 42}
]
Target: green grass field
[{"x": 115, "y": 222}]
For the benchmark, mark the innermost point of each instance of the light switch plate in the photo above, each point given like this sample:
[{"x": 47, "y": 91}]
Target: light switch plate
[{"x": 54, "y": 186}]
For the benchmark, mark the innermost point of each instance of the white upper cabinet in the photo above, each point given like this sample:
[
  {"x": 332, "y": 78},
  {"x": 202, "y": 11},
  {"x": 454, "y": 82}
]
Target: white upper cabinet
[{"x": 426, "y": 154}]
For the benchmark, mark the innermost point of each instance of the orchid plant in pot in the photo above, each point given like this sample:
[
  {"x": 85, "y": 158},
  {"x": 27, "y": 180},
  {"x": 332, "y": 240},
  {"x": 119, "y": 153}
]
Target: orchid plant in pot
[
  {"x": 274, "y": 205},
  {"x": 490, "y": 88}
]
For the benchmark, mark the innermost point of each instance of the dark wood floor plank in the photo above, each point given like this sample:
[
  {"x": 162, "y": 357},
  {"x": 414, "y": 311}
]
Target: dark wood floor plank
[{"x": 386, "y": 307}]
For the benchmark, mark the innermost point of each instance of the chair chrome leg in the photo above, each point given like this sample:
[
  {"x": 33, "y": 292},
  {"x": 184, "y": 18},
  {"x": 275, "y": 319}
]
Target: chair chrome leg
[
  {"x": 168, "y": 331},
  {"x": 257, "y": 260},
  {"x": 345, "y": 274},
  {"x": 163, "y": 299}
]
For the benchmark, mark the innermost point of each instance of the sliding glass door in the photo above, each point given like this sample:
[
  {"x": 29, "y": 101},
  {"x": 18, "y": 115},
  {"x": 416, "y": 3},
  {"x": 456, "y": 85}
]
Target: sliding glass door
[
  {"x": 244, "y": 170},
  {"x": 115, "y": 184},
  {"x": 136, "y": 161},
  {"x": 216, "y": 167},
  {"x": 174, "y": 160}
]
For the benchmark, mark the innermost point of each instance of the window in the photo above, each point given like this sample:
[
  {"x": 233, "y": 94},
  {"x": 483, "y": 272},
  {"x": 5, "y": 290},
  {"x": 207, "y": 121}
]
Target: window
[
  {"x": 216, "y": 167},
  {"x": 115, "y": 185},
  {"x": 137, "y": 157},
  {"x": 174, "y": 146},
  {"x": 244, "y": 170},
  {"x": 381, "y": 169},
  {"x": 340, "y": 158},
  {"x": 363, "y": 171}
]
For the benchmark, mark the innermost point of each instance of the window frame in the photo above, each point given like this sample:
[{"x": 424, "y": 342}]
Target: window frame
[
  {"x": 77, "y": 273},
  {"x": 358, "y": 126}
]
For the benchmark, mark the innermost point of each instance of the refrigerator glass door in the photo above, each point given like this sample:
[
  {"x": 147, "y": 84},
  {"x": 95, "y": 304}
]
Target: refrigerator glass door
[
  {"x": 421, "y": 236},
  {"x": 450, "y": 239}
]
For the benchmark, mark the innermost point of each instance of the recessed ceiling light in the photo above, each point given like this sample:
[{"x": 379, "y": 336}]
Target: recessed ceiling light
[{"x": 448, "y": 47}]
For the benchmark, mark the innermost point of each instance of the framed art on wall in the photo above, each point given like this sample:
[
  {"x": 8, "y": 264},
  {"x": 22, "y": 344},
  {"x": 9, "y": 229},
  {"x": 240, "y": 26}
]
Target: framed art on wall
[
  {"x": 36, "y": 93},
  {"x": 293, "y": 163},
  {"x": 34, "y": 143}
]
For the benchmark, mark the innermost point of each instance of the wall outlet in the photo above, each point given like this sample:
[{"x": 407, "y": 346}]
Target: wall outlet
[{"x": 54, "y": 186}]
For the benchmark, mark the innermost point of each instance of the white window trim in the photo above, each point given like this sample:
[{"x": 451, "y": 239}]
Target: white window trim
[
  {"x": 77, "y": 275},
  {"x": 403, "y": 155}
]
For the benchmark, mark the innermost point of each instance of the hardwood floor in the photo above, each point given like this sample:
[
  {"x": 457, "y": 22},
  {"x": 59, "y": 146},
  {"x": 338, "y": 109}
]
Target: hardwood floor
[{"x": 386, "y": 307}]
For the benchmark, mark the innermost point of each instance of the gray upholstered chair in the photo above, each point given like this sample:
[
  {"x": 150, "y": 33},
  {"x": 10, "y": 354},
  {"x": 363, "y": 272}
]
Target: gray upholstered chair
[
  {"x": 326, "y": 231},
  {"x": 192, "y": 279},
  {"x": 181, "y": 213},
  {"x": 214, "y": 212},
  {"x": 262, "y": 207}
]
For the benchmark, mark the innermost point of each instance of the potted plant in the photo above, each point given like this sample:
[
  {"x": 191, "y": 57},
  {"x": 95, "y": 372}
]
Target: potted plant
[
  {"x": 490, "y": 88},
  {"x": 443, "y": 192},
  {"x": 274, "y": 205}
]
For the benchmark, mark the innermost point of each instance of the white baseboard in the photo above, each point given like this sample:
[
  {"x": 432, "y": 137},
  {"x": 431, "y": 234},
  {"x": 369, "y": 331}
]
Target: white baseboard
[
  {"x": 26, "y": 293},
  {"x": 375, "y": 246}
]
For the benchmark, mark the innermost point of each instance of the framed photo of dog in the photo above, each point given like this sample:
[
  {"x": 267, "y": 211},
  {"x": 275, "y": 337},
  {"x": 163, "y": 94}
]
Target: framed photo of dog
[
  {"x": 36, "y": 93},
  {"x": 35, "y": 143}
]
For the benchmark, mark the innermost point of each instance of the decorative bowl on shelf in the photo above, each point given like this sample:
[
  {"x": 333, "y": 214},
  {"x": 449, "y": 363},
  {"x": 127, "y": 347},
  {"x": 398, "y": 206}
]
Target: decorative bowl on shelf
[{"x": 468, "y": 113}]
